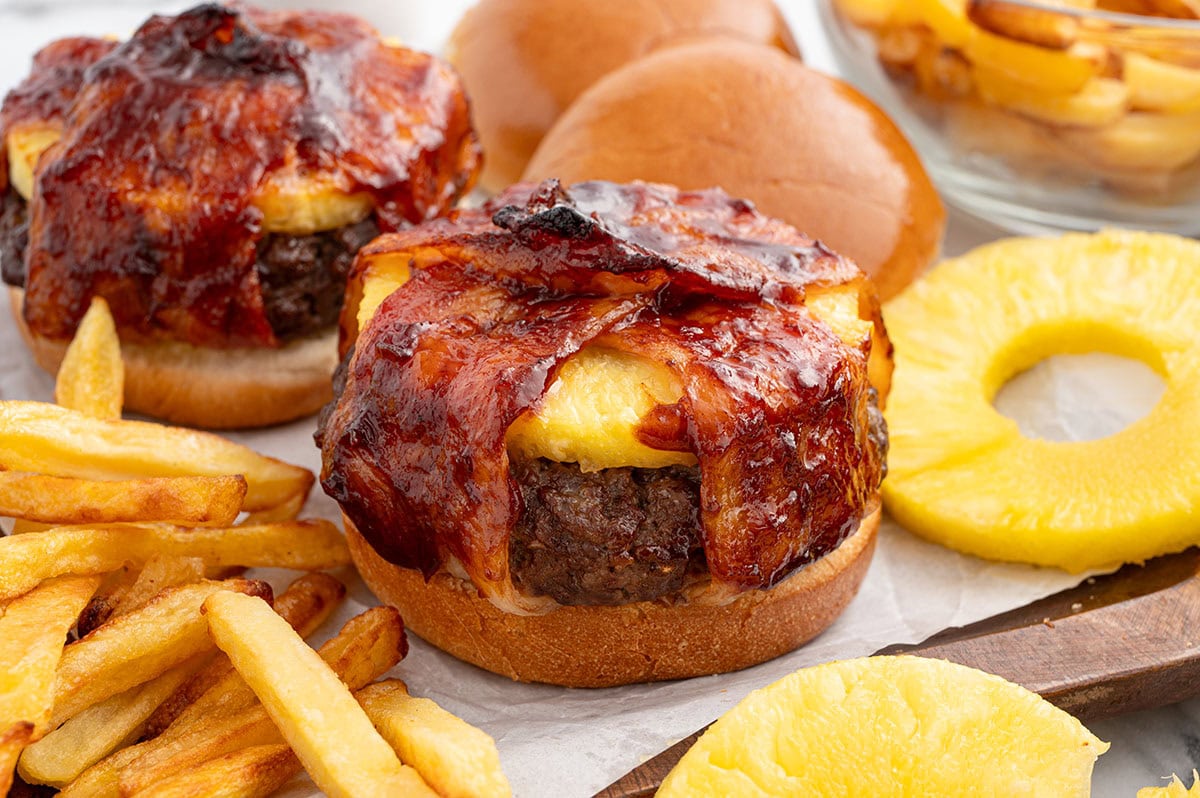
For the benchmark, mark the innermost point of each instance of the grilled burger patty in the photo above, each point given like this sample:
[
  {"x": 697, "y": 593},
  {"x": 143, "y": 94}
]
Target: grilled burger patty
[
  {"x": 303, "y": 277},
  {"x": 606, "y": 537}
]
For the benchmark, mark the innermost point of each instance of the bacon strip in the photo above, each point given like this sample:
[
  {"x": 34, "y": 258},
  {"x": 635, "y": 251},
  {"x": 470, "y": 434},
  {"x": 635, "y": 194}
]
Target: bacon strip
[{"x": 775, "y": 404}]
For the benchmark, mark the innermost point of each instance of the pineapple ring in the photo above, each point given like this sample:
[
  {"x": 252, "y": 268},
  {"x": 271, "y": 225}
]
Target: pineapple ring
[
  {"x": 962, "y": 475},
  {"x": 889, "y": 726}
]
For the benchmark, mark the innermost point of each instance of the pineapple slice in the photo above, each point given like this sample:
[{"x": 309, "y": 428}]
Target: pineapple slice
[
  {"x": 25, "y": 145},
  {"x": 1173, "y": 790},
  {"x": 299, "y": 204},
  {"x": 291, "y": 203},
  {"x": 590, "y": 412},
  {"x": 890, "y": 726},
  {"x": 962, "y": 475}
]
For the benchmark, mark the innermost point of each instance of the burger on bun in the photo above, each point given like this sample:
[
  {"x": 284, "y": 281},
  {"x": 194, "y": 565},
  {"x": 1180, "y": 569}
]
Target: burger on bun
[{"x": 610, "y": 433}]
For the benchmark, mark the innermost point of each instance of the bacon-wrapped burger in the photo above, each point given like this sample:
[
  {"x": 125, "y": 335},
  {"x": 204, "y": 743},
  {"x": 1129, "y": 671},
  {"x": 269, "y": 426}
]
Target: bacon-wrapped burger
[
  {"x": 213, "y": 177},
  {"x": 609, "y": 434}
]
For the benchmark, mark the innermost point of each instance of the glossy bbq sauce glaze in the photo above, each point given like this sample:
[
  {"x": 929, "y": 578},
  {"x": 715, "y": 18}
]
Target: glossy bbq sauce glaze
[
  {"x": 167, "y": 138},
  {"x": 777, "y": 409}
]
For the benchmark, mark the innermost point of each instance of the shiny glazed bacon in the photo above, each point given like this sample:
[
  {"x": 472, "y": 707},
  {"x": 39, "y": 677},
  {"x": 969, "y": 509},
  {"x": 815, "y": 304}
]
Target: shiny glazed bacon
[
  {"x": 775, "y": 404},
  {"x": 166, "y": 138}
]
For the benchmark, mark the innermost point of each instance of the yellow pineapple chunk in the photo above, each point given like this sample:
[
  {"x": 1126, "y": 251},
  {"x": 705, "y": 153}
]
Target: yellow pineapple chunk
[
  {"x": 963, "y": 475},
  {"x": 890, "y": 726},
  {"x": 299, "y": 205},
  {"x": 291, "y": 203},
  {"x": 1173, "y": 790},
  {"x": 25, "y": 145},
  {"x": 591, "y": 410}
]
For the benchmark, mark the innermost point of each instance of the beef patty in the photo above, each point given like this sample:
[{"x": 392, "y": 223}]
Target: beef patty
[
  {"x": 609, "y": 537},
  {"x": 303, "y": 278},
  {"x": 618, "y": 535}
]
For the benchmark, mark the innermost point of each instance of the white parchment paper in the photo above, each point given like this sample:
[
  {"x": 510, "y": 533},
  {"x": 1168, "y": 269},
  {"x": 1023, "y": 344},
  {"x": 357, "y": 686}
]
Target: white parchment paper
[{"x": 562, "y": 742}]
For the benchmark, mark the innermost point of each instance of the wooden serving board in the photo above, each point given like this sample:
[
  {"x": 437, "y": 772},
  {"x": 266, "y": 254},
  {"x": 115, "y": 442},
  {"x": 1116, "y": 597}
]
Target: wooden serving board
[{"x": 1118, "y": 643}]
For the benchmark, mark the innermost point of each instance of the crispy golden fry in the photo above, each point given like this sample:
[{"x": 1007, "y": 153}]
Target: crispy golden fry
[
  {"x": 1039, "y": 26},
  {"x": 113, "y": 586},
  {"x": 198, "y": 501},
  {"x": 91, "y": 378},
  {"x": 12, "y": 740},
  {"x": 21, "y": 526},
  {"x": 1101, "y": 102},
  {"x": 25, "y": 560},
  {"x": 253, "y": 772},
  {"x": 97, "y": 731},
  {"x": 287, "y": 511},
  {"x": 313, "y": 709},
  {"x": 32, "y": 633},
  {"x": 46, "y": 439},
  {"x": 455, "y": 758},
  {"x": 33, "y": 629},
  {"x": 305, "y": 605},
  {"x": 366, "y": 647},
  {"x": 158, "y": 574},
  {"x": 135, "y": 648}
]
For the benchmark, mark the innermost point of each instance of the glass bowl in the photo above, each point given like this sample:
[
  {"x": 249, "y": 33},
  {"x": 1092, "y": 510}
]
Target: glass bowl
[{"x": 1035, "y": 116}]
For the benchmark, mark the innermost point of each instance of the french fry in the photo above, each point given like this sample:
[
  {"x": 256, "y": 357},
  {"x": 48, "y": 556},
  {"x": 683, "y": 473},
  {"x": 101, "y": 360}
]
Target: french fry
[
  {"x": 367, "y": 646},
  {"x": 26, "y": 560},
  {"x": 97, "y": 731},
  {"x": 305, "y": 605},
  {"x": 287, "y": 511},
  {"x": 158, "y": 574},
  {"x": 91, "y": 378},
  {"x": 12, "y": 740},
  {"x": 455, "y": 758},
  {"x": 199, "y": 501},
  {"x": 253, "y": 772},
  {"x": 1043, "y": 27},
  {"x": 32, "y": 632},
  {"x": 23, "y": 526},
  {"x": 113, "y": 586},
  {"x": 135, "y": 648},
  {"x": 313, "y": 709},
  {"x": 46, "y": 439},
  {"x": 1101, "y": 101}
]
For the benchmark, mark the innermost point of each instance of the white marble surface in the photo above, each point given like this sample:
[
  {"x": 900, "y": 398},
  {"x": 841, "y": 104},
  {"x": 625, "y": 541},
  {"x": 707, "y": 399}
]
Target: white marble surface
[{"x": 1145, "y": 747}]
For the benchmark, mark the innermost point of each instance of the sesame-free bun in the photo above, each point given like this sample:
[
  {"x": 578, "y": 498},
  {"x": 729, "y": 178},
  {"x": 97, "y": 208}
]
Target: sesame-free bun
[
  {"x": 212, "y": 388},
  {"x": 595, "y": 646},
  {"x": 804, "y": 147},
  {"x": 525, "y": 61}
]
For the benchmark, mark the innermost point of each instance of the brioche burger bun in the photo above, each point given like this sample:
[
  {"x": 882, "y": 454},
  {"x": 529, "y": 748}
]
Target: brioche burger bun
[
  {"x": 804, "y": 147},
  {"x": 525, "y": 61},
  {"x": 560, "y": 546}
]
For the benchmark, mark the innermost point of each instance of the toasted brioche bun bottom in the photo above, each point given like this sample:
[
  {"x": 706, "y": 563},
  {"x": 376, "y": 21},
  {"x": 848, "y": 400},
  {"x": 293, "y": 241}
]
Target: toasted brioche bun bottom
[
  {"x": 212, "y": 388},
  {"x": 608, "y": 646}
]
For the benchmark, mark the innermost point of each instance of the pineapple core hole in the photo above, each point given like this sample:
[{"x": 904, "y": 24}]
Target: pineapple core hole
[{"x": 1080, "y": 397}]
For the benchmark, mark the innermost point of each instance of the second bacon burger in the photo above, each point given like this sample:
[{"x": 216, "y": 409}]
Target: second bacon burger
[{"x": 609, "y": 434}]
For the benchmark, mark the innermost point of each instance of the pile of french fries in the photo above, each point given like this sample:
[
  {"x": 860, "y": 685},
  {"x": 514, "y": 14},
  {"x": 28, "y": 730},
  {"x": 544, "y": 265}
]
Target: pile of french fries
[
  {"x": 137, "y": 659},
  {"x": 1038, "y": 85}
]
